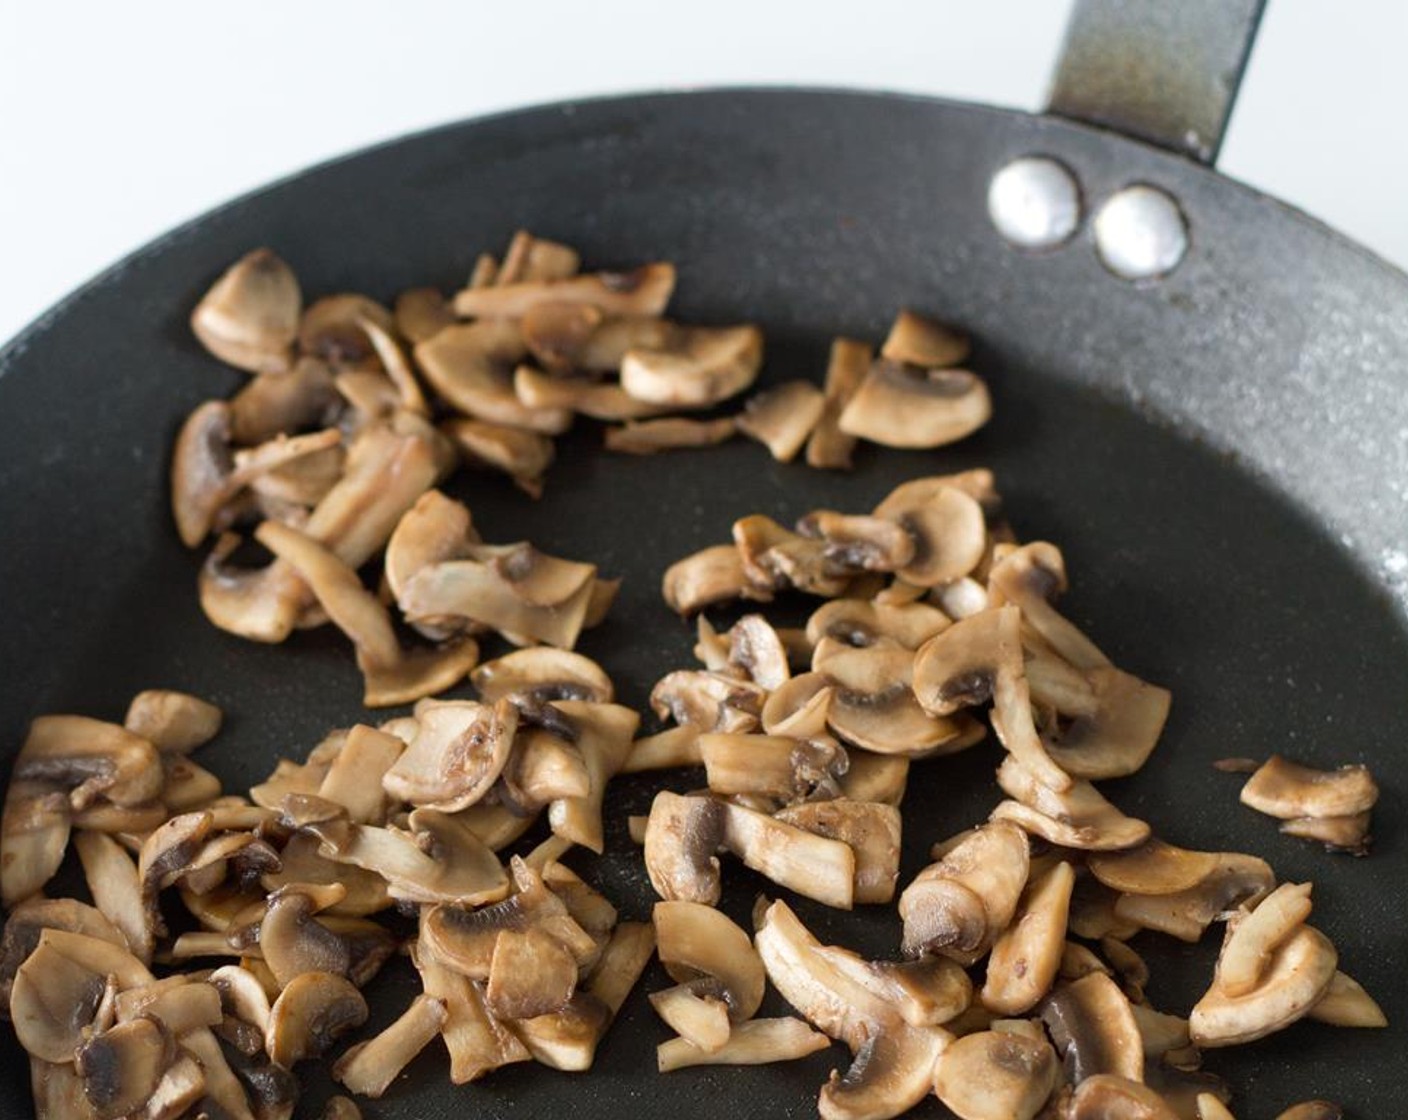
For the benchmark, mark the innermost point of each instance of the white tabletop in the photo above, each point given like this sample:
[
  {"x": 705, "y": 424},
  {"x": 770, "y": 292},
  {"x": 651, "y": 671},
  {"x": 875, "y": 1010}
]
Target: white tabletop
[{"x": 119, "y": 120}]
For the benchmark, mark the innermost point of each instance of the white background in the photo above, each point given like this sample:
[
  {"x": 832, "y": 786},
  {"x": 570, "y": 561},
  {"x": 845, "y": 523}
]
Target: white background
[{"x": 118, "y": 120}]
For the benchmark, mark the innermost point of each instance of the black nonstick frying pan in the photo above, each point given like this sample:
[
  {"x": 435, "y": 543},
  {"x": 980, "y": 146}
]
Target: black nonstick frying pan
[{"x": 1222, "y": 451}]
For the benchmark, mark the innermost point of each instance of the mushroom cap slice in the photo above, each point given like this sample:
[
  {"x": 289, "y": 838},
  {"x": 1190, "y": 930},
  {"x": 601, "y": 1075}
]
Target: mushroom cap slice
[
  {"x": 34, "y": 834},
  {"x": 756, "y": 1042},
  {"x": 920, "y": 341},
  {"x": 1079, "y": 817},
  {"x": 556, "y": 333},
  {"x": 950, "y": 537},
  {"x": 696, "y": 1012},
  {"x": 859, "y": 623},
  {"x": 994, "y": 1075},
  {"x": 707, "y": 365},
  {"x": 682, "y": 839},
  {"x": 122, "y": 1066},
  {"x": 531, "y": 973},
  {"x": 709, "y": 701},
  {"x": 1031, "y": 576},
  {"x": 871, "y": 830},
  {"x": 782, "y": 417},
  {"x": 174, "y": 722},
  {"x": 54, "y": 1000},
  {"x": 1287, "y": 790},
  {"x": 89, "y": 757},
  {"x": 856, "y": 543},
  {"x": 27, "y": 922},
  {"x": 435, "y": 528},
  {"x": 892, "y": 1072},
  {"x": 798, "y": 707},
  {"x": 1027, "y": 955},
  {"x": 904, "y": 406},
  {"x": 873, "y": 705},
  {"x": 1185, "y": 914},
  {"x": 1111, "y": 1097},
  {"x": 812, "y": 865},
  {"x": 249, "y": 318},
  {"x": 112, "y": 881},
  {"x": 478, "y": 1043},
  {"x": 604, "y": 734},
  {"x": 542, "y": 674},
  {"x": 1091, "y": 1023},
  {"x": 1296, "y": 978},
  {"x": 875, "y": 777},
  {"x": 312, "y": 1011},
  {"x": 1116, "y": 739},
  {"x": 524, "y": 456},
  {"x": 275, "y": 403},
  {"x": 1154, "y": 867},
  {"x": 978, "y": 484},
  {"x": 458, "y": 753},
  {"x": 958, "y": 667},
  {"x": 712, "y": 575},
  {"x": 470, "y": 366},
  {"x": 695, "y": 940},
  {"x": 420, "y": 313},
  {"x": 755, "y": 647},
  {"x": 770, "y": 766},
  {"x": 641, "y": 291},
  {"x": 332, "y": 330},
  {"x": 201, "y": 465}
]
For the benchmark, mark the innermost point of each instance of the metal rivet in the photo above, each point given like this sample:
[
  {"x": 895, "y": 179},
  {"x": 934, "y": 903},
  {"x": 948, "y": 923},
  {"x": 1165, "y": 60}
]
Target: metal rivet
[
  {"x": 1034, "y": 202},
  {"x": 1140, "y": 233}
]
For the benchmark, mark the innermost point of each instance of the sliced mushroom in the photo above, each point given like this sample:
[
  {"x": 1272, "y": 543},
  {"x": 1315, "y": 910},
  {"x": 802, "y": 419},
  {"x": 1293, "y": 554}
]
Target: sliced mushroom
[
  {"x": 873, "y": 705},
  {"x": 673, "y": 747},
  {"x": 859, "y": 623},
  {"x": 1288, "y": 790},
  {"x": 332, "y": 330},
  {"x": 770, "y": 766},
  {"x": 279, "y": 403},
  {"x": 696, "y": 1012},
  {"x": 172, "y": 721},
  {"x": 919, "y": 341},
  {"x": 542, "y": 674},
  {"x": 1093, "y": 1027},
  {"x": 875, "y": 777},
  {"x": 601, "y": 400},
  {"x": 959, "y": 666},
  {"x": 871, "y": 830},
  {"x": 797, "y": 707},
  {"x": 649, "y": 437},
  {"x": 695, "y": 940},
  {"x": 783, "y": 417},
  {"x": 311, "y": 1013},
  {"x": 89, "y": 758},
  {"x": 1077, "y": 818},
  {"x": 179, "y": 1004},
  {"x": 904, "y": 406},
  {"x": 928, "y": 992},
  {"x": 531, "y": 973},
  {"x": 855, "y": 544},
  {"x": 530, "y": 258},
  {"x": 355, "y": 776},
  {"x": 604, "y": 733},
  {"x": 1116, "y": 738},
  {"x": 187, "y": 786},
  {"x": 812, "y": 865},
  {"x": 828, "y": 447},
  {"x": 775, "y": 558},
  {"x": 112, "y": 881},
  {"x": 556, "y": 333},
  {"x": 1346, "y": 1004},
  {"x": 478, "y": 1043},
  {"x": 34, "y": 835},
  {"x": 458, "y": 753},
  {"x": 369, "y": 1067},
  {"x": 1294, "y": 980},
  {"x": 681, "y": 842},
  {"x": 703, "y": 366},
  {"x": 522, "y": 455},
  {"x": 708, "y": 701},
  {"x": 1313, "y": 1110},
  {"x": 1030, "y": 577},
  {"x": 995, "y": 1075},
  {"x": 1253, "y": 936},
  {"x": 1154, "y": 868},
  {"x": 121, "y": 1067},
  {"x": 435, "y": 528},
  {"x": 642, "y": 291},
  {"x": 949, "y": 533},
  {"x": 292, "y": 941},
  {"x": 756, "y": 1042},
  {"x": 244, "y": 1007},
  {"x": 960, "y": 905},
  {"x": 420, "y": 313},
  {"x": 470, "y": 365},
  {"x": 27, "y": 922},
  {"x": 1108, "y": 1095},
  {"x": 249, "y": 318},
  {"x": 1027, "y": 956},
  {"x": 1186, "y": 914},
  {"x": 712, "y": 575},
  {"x": 1338, "y": 834}
]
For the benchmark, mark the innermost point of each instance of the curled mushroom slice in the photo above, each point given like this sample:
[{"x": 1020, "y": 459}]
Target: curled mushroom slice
[
  {"x": 828, "y": 447},
  {"x": 995, "y": 1075},
  {"x": 857, "y": 543},
  {"x": 279, "y": 403},
  {"x": 649, "y": 437},
  {"x": 775, "y": 558},
  {"x": 171, "y": 721},
  {"x": 1288, "y": 790},
  {"x": 928, "y": 992},
  {"x": 642, "y": 291},
  {"x": 420, "y": 313},
  {"x": 522, "y": 455},
  {"x": 703, "y": 366},
  {"x": 1093, "y": 1027},
  {"x": 873, "y": 705},
  {"x": 1236, "y": 879},
  {"x": 756, "y": 1042},
  {"x": 34, "y": 835},
  {"x": 798, "y": 707},
  {"x": 1026, "y": 957},
  {"x": 1154, "y": 867},
  {"x": 312, "y": 1011},
  {"x": 542, "y": 674},
  {"x": 782, "y": 417},
  {"x": 949, "y": 533},
  {"x": 470, "y": 366},
  {"x": 1030, "y": 577},
  {"x": 1338, "y": 834},
  {"x": 601, "y": 400},
  {"x": 1253, "y": 937},
  {"x": 958, "y": 667},
  {"x": 904, "y": 406},
  {"x": 249, "y": 318},
  {"x": 1297, "y": 976},
  {"x": 556, "y": 333},
  {"x": 1079, "y": 817},
  {"x": 369, "y": 1067},
  {"x": 696, "y": 1012},
  {"x": 712, "y": 575},
  {"x": 1117, "y": 737},
  {"x": 756, "y": 648},
  {"x": 435, "y": 528},
  {"x": 459, "y": 751},
  {"x": 871, "y": 830},
  {"x": 673, "y": 747},
  {"x": 875, "y": 777},
  {"x": 920, "y": 341},
  {"x": 1346, "y": 1004},
  {"x": 696, "y": 941},
  {"x": 1107, "y": 1096},
  {"x": 960, "y": 905}
]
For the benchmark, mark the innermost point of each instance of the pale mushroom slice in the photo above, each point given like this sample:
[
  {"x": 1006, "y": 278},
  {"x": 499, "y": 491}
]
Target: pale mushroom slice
[
  {"x": 1253, "y": 936},
  {"x": 996, "y": 1075},
  {"x": 828, "y": 447},
  {"x": 696, "y": 941},
  {"x": 116, "y": 889},
  {"x": 1289, "y": 791},
  {"x": 781, "y": 418},
  {"x": 860, "y": 623},
  {"x": 641, "y": 291},
  {"x": 420, "y": 313},
  {"x": 682, "y": 839},
  {"x": 1094, "y": 1030},
  {"x": 522, "y": 455},
  {"x": 904, "y": 406},
  {"x": 1297, "y": 976},
  {"x": 541, "y": 674},
  {"x": 917, "y": 340},
  {"x": 1346, "y": 1004},
  {"x": 530, "y": 258},
  {"x": 1117, "y": 737},
  {"x": 777, "y": 767},
  {"x": 703, "y": 366},
  {"x": 89, "y": 758},
  {"x": 604, "y": 734},
  {"x": 756, "y": 1042},
  {"x": 669, "y": 433},
  {"x": 477, "y": 1042},
  {"x": 1236, "y": 879},
  {"x": 34, "y": 834},
  {"x": 249, "y": 318},
  {"x": 894, "y": 1062},
  {"x": 797, "y": 707},
  {"x": 1027, "y": 956},
  {"x": 354, "y": 778},
  {"x": 960, "y": 905},
  {"x": 1030, "y": 577},
  {"x": 949, "y": 531},
  {"x": 470, "y": 365},
  {"x": 280, "y": 403},
  {"x": 1108, "y": 1095},
  {"x": 665, "y": 750},
  {"x": 929, "y": 992},
  {"x": 756, "y": 647},
  {"x": 695, "y": 1011},
  {"x": 459, "y": 751},
  {"x": 1338, "y": 834},
  {"x": 814, "y": 866},
  {"x": 871, "y": 829},
  {"x": 29, "y": 919},
  {"x": 1079, "y": 817},
  {"x": 958, "y": 667},
  {"x": 1153, "y": 868},
  {"x": 873, "y": 705},
  {"x": 332, "y": 330},
  {"x": 531, "y": 973},
  {"x": 979, "y": 484},
  {"x": 311, "y": 1013},
  {"x": 712, "y": 575},
  {"x": 708, "y": 701},
  {"x": 435, "y": 528},
  {"x": 557, "y": 333},
  {"x": 368, "y": 1068},
  {"x": 173, "y": 722}
]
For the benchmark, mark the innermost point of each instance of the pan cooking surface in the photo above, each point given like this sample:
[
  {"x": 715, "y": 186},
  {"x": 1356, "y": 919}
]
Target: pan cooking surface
[{"x": 812, "y": 214}]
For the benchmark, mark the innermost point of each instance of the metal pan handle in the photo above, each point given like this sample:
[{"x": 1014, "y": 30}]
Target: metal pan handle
[{"x": 1162, "y": 71}]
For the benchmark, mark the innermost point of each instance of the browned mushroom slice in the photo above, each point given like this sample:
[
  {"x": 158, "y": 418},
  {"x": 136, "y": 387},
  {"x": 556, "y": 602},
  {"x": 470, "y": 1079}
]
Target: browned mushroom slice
[
  {"x": 89, "y": 758},
  {"x": 648, "y": 437},
  {"x": 701, "y": 367},
  {"x": 530, "y": 973},
  {"x": 1288, "y": 790},
  {"x": 712, "y": 575},
  {"x": 435, "y": 528},
  {"x": 1107, "y": 1095},
  {"x": 1186, "y": 914},
  {"x": 542, "y": 674},
  {"x": 496, "y": 825},
  {"x": 369, "y": 1067},
  {"x": 871, "y": 829},
  {"x": 855, "y": 544},
  {"x": 458, "y": 753},
  {"x": 312, "y": 1011},
  {"x": 1346, "y": 1004},
  {"x": 249, "y": 318},
  {"x": 681, "y": 844},
  {"x": 1030, "y": 577},
  {"x": 530, "y": 258},
  {"x": 112, "y": 881},
  {"x": 979, "y": 484},
  {"x": 201, "y": 464},
  {"x": 300, "y": 863},
  {"x": 642, "y": 291},
  {"x": 568, "y": 1039},
  {"x": 828, "y": 447},
  {"x": 873, "y": 705},
  {"x": 544, "y": 768},
  {"x": 1079, "y": 817},
  {"x": 1338, "y": 834},
  {"x": 1093, "y": 1027},
  {"x": 1297, "y": 976},
  {"x": 958, "y": 906},
  {"x": 994, "y": 1075},
  {"x": 775, "y": 558},
  {"x": 122, "y": 1068},
  {"x": 928, "y": 992},
  {"x": 1026, "y": 957},
  {"x": 522, "y": 455},
  {"x": 33, "y": 838},
  {"x": 814, "y": 866},
  {"x": 875, "y": 777},
  {"x": 905, "y": 406},
  {"x": 332, "y": 330},
  {"x": 1253, "y": 936},
  {"x": 949, "y": 532},
  {"x": 27, "y": 922},
  {"x": 604, "y": 733},
  {"x": 709, "y": 701},
  {"x": 859, "y": 623},
  {"x": 770, "y": 766},
  {"x": 894, "y": 1062},
  {"x": 556, "y": 333},
  {"x": 756, "y": 1042},
  {"x": 919, "y": 341},
  {"x": 478, "y": 1043},
  {"x": 675, "y": 746},
  {"x": 293, "y": 941},
  {"x": 471, "y": 366},
  {"x": 697, "y": 941},
  {"x": 782, "y": 417},
  {"x": 959, "y": 666},
  {"x": 244, "y": 1007},
  {"x": 261, "y": 604},
  {"x": 274, "y": 403},
  {"x": 1116, "y": 738},
  {"x": 1154, "y": 867},
  {"x": 355, "y": 776},
  {"x": 172, "y": 721},
  {"x": 420, "y": 313},
  {"x": 798, "y": 707},
  {"x": 1313, "y": 1110}
]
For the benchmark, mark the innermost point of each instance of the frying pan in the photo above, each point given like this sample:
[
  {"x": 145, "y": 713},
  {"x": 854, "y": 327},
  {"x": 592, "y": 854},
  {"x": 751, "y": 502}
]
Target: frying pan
[{"x": 1222, "y": 452}]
